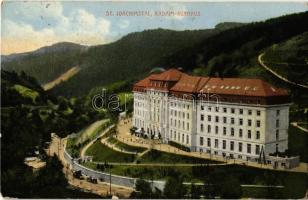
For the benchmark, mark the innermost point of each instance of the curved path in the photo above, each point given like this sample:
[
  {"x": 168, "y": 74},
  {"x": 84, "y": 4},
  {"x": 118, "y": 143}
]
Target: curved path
[
  {"x": 84, "y": 149},
  {"x": 57, "y": 147},
  {"x": 295, "y": 124},
  {"x": 278, "y": 75}
]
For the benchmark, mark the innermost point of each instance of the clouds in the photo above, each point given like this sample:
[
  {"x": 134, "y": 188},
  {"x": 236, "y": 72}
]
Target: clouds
[
  {"x": 28, "y": 25},
  {"x": 41, "y": 24},
  {"x": 123, "y": 24}
]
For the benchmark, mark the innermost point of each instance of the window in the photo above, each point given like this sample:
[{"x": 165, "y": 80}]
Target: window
[
  {"x": 248, "y": 148},
  {"x": 183, "y": 125},
  {"x": 183, "y": 115},
  {"x": 209, "y": 118},
  {"x": 240, "y": 121},
  {"x": 277, "y": 148},
  {"x": 232, "y": 120},
  {"x": 241, "y": 133},
  {"x": 232, "y": 110},
  {"x": 201, "y": 141},
  {"x": 202, "y": 117},
  {"x": 258, "y": 112},
  {"x": 277, "y": 134},
  {"x": 187, "y": 126},
  {"x": 224, "y": 144},
  {"x": 249, "y": 122},
  {"x": 258, "y": 123},
  {"x": 225, "y": 119},
  {"x": 257, "y": 135},
  {"x": 216, "y": 119},
  {"x": 217, "y": 109},
  {"x": 187, "y": 139},
  {"x": 232, "y": 131},
  {"x": 209, "y": 128},
  {"x": 249, "y": 134},
  {"x": 216, "y": 129},
  {"x": 209, "y": 142},
  {"x": 240, "y": 147},
  {"x": 187, "y": 106},
  {"x": 232, "y": 146},
  {"x": 182, "y": 138},
  {"x": 241, "y": 111},
  {"x": 202, "y": 107},
  {"x": 277, "y": 112},
  {"x": 216, "y": 143},
  {"x": 277, "y": 123},
  {"x": 209, "y": 108},
  {"x": 175, "y": 113},
  {"x": 225, "y": 110},
  {"x": 201, "y": 127},
  {"x": 225, "y": 131},
  {"x": 187, "y": 115},
  {"x": 257, "y": 149},
  {"x": 249, "y": 112}
]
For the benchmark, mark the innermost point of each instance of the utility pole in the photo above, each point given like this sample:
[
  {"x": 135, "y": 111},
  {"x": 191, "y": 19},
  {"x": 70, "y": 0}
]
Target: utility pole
[{"x": 110, "y": 179}]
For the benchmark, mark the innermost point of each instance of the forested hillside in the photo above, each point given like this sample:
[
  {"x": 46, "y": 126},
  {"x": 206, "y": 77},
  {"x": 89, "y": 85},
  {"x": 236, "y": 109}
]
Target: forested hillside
[
  {"x": 47, "y": 63},
  {"x": 229, "y": 50},
  {"x": 28, "y": 117},
  {"x": 290, "y": 58}
]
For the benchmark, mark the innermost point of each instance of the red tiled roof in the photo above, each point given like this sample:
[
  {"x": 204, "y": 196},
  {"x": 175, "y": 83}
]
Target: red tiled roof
[
  {"x": 187, "y": 84},
  {"x": 241, "y": 86},
  {"x": 169, "y": 75},
  {"x": 227, "y": 86}
]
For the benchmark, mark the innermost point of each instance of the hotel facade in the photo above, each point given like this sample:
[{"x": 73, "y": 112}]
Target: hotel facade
[{"x": 230, "y": 117}]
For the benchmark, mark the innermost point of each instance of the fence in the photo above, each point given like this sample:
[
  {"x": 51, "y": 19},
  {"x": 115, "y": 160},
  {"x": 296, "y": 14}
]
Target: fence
[{"x": 106, "y": 177}]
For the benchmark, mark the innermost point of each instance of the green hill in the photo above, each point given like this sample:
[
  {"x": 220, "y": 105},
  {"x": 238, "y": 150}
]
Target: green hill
[
  {"x": 229, "y": 50},
  {"x": 128, "y": 58},
  {"x": 46, "y": 63},
  {"x": 290, "y": 58}
]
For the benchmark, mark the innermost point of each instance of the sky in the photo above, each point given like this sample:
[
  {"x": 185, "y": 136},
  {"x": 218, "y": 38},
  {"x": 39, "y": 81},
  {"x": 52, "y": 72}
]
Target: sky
[{"x": 28, "y": 25}]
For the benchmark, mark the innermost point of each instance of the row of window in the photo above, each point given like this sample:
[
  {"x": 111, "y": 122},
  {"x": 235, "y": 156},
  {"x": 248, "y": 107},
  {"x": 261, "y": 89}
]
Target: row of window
[
  {"x": 231, "y": 146},
  {"x": 232, "y": 131},
  {"x": 178, "y": 124},
  {"x": 231, "y": 110},
  {"x": 179, "y": 114},
  {"x": 232, "y": 120},
  {"x": 179, "y": 105},
  {"x": 177, "y": 137}
]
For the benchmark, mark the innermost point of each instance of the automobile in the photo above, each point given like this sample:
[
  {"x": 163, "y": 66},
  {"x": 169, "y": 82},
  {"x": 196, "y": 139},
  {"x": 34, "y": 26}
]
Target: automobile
[
  {"x": 77, "y": 174},
  {"x": 92, "y": 180}
]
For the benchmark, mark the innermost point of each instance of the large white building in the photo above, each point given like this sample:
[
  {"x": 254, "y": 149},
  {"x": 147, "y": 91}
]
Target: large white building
[{"x": 232, "y": 117}]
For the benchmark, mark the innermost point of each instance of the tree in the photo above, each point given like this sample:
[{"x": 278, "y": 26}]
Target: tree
[
  {"x": 174, "y": 187},
  {"x": 230, "y": 188},
  {"x": 143, "y": 189}
]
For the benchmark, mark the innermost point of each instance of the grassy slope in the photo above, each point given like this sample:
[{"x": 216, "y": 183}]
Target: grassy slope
[
  {"x": 102, "y": 153},
  {"x": 124, "y": 146},
  {"x": 155, "y": 156}
]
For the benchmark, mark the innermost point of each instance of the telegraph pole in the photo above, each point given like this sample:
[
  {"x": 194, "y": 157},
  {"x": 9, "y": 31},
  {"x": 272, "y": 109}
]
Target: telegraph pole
[{"x": 109, "y": 179}]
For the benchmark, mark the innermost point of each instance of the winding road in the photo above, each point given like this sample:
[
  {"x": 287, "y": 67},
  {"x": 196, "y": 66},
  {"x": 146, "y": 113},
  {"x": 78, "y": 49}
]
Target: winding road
[{"x": 261, "y": 62}]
